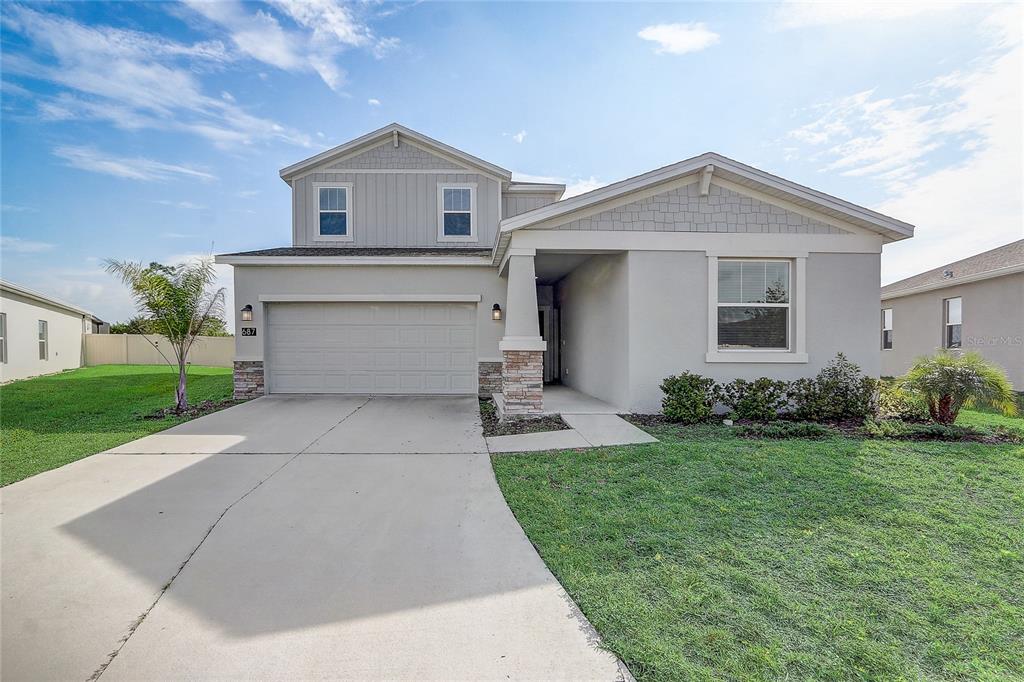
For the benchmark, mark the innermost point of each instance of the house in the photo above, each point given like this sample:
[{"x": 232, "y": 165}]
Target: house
[
  {"x": 417, "y": 268},
  {"x": 973, "y": 304},
  {"x": 40, "y": 334}
]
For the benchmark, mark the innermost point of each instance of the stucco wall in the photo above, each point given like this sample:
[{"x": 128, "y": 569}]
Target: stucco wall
[
  {"x": 594, "y": 300},
  {"x": 65, "y": 330},
  {"x": 252, "y": 281},
  {"x": 993, "y": 324},
  {"x": 666, "y": 304}
]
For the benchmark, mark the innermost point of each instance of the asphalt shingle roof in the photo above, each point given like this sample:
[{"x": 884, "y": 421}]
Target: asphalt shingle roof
[
  {"x": 362, "y": 251},
  {"x": 998, "y": 258}
]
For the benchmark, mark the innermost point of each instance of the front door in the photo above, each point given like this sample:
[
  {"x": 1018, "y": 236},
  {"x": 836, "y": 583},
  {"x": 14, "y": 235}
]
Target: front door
[{"x": 548, "y": 322}]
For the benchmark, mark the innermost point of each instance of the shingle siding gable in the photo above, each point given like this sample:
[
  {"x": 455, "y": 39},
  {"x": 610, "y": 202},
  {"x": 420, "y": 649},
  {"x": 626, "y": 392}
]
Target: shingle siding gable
[
  {"x": 684, "y": 210},
  {"x": 386, "y": 156}
]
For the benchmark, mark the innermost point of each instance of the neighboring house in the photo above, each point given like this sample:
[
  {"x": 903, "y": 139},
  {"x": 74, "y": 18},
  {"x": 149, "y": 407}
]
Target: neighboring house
[
  {"x": 40, "y": 334},
  {"x": 417, "y": 268},
  {"x": 973, "y": 304}
]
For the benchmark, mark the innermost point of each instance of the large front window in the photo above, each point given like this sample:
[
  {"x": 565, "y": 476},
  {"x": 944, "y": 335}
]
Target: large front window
[
  {"x": 753, "y": 305},
  {"x": 334, "y": 210}
]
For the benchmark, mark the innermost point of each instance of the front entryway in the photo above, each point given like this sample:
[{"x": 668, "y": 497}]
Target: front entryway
[{"x": 375, "y": 348}]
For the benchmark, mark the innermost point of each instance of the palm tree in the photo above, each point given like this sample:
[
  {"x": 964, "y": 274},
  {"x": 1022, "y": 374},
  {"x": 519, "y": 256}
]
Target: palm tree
[
  {"x": 177, "y": 301},
  {"x": 949, "y": 382}
]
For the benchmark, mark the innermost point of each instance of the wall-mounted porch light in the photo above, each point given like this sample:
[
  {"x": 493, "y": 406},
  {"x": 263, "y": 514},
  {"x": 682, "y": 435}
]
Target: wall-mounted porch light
[
  {"x": 496, "y": 312},
  {"x": 247, "y": 314}
]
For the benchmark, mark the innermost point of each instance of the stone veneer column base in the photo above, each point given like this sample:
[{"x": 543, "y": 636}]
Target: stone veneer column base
[
  {"x": 248, "y": 375},
  {"x": 522, "y": 382},
  {"x": 489, "y": 378}
]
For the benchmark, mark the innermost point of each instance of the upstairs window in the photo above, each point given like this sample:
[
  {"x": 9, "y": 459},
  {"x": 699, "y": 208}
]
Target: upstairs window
[
  {"x": 334, "y": 212},
  {"x": 954, "y": 320},
  {"x": 887, "y": 329},
  {"x": 44, "y": 341},
  {"x": 753, "y": 305},
  {"x": 457, "y": 204}
]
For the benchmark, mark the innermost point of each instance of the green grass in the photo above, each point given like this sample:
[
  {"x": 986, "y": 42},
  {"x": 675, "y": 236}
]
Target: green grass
[
  {"x": 49, "y": 421},
  {"x": 709, "y": 557},
  {"x": 986, "y": 419}
]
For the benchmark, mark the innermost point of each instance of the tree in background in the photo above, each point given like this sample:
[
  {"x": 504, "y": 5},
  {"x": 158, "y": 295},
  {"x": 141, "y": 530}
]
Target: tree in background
[
  {"x": 178, "y": 302},
  {"x": 948, "y": 382},
  {"x": 215, "y": 326}
]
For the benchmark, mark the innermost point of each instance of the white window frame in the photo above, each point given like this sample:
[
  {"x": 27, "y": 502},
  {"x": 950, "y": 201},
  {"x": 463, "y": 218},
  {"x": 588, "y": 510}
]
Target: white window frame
[
  {"x": 796, "y": 334},
  {"x": 441, "y": 236},
  {"x": 349, "y": 222},
  {"x": 43, "y": 328},
  {"x": 946, "y": 323},
  {"x": 887, "y": 328},
  {"x": 3, "y": 338}
]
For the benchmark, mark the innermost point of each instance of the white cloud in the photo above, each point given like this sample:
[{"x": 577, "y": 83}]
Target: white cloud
[
  {"x": 802, "y": 14},
  {"x": 247, "y": 193},
  {"x": 679, "y": 38},
  {"x": 582, "y": 186},
  {"x": 132, "y": 80},
  {"x": 19, "y": 245},
  {"x": 180, "y": 204},
  {"x": 324, "y": 29},
  {"x": 16, "y": 208},
  {"x": 373, "y": 102},
  {"x": 519, "y": 137},
  {"x": 176, "y": 235},
  {"x": 960, "y": 206},
  {"x": 137, "y": 168}
]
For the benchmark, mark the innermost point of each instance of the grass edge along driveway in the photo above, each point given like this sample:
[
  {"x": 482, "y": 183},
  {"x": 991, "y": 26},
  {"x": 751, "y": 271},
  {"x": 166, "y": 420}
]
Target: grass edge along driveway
[
  {"x": 52, "y": 420},
  {"x": 706, "y": 556}
]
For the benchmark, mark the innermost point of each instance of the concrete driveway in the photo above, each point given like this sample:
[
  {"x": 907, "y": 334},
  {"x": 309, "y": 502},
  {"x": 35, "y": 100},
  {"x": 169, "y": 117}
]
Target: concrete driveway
[{"x": 300, "y": 537}]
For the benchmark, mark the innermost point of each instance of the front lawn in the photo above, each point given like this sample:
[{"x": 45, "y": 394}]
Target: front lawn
[
  {"x": 49, "y": 421},
  {"x": 707, "y": 556}
]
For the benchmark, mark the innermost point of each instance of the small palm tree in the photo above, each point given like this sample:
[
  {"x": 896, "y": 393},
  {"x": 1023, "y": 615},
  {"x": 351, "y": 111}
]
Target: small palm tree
[
  {"x": 177, "y": 301},
  {"x": 949, "y": 382}
]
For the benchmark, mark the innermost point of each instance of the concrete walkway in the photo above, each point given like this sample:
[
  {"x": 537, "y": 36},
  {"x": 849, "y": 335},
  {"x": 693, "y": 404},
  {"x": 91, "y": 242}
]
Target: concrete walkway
[
  {"x": 587, "y": 430},
  {"x": 280, "y": 539}
]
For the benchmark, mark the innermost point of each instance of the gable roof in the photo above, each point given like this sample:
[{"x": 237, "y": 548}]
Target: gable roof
[
  {"x": 890, "y": 228},
  {"x": 377, "y": 136},
  {"x": 43, "y": 298},
  {"x": 1003, "y": 260}
]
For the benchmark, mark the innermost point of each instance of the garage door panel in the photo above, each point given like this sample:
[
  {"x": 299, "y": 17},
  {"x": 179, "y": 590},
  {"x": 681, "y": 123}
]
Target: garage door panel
[{"x": 372, "y": 348}]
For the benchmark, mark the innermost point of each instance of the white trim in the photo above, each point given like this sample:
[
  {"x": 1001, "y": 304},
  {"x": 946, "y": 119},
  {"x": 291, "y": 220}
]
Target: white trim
[
  {"x": 720, "y": 243},
  {"x": 472, "y": 236},
  {"x": 797, "y": 332},
  {"x": 522, "y": 343},
  {"x": 369, "y": 298},
  {"x": 477, "y": 261},
  {"x": 490, "y": 359},
  {"x": 397, "y": 171},
  {"x": 966, "y": 279},
  {"x": 534, "y": 188},
  {"x": 755, "y": 356},
  {"x": 349, "y": 212}
]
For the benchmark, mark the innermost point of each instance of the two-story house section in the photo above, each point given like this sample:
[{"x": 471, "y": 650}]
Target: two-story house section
[{"x": 416, "y": 268}]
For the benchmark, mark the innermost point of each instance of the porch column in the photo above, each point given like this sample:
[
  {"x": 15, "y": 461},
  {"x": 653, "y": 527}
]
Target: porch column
[{"x": 522, "y": 348}]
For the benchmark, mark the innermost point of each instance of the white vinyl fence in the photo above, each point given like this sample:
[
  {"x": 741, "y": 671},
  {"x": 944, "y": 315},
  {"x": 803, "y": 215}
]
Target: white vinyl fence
[{"x": 135, "y": 349}]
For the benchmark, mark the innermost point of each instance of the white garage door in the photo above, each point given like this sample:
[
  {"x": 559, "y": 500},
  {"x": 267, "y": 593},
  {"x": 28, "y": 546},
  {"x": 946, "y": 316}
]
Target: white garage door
[{"x": 372, "y": 348}]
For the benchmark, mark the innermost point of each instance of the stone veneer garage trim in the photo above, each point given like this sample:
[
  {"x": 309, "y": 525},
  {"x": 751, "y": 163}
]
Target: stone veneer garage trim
[{"x": 248, "y": 379}]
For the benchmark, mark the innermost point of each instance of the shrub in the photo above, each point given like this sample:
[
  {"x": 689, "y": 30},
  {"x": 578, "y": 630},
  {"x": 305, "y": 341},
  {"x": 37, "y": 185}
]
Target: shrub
[
  {"x": 897, "y": 430},
  {"x": 759, "y": 400},
  {"x": 896, "y": 402},
  {"x": 949, "y": 382},
  {"x": 781, "y": 429},
  {"x": 840, "y": 391},
  {"x": 689, "y": 398}
]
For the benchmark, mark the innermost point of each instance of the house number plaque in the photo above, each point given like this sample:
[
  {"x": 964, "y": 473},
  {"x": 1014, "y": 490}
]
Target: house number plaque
[{"x": 248, "y": 331}]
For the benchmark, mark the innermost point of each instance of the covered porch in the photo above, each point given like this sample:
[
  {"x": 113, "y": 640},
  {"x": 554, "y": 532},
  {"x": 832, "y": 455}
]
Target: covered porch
[{"x": 564, "y": 349}]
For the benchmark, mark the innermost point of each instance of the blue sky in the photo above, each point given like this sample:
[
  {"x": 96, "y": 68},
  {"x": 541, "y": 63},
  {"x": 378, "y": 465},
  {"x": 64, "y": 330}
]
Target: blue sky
[{"x": 156, "y": 131}]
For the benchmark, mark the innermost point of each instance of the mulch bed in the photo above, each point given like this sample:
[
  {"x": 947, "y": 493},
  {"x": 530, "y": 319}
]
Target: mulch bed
[
  {"x": 194, "y": 409},
  {"x": 492, "y": 427}
]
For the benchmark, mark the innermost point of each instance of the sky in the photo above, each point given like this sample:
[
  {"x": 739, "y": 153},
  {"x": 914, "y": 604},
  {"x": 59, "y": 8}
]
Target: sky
[{"x": 155, "y": 131}]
